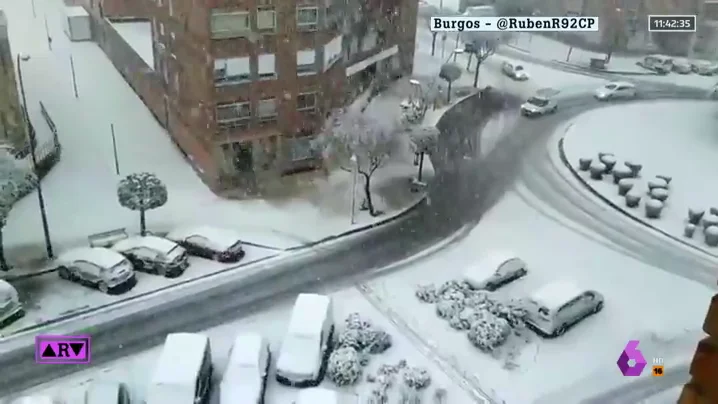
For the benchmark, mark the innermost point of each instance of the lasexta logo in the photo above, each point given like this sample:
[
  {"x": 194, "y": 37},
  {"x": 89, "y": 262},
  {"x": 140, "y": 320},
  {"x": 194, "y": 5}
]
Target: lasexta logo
[{"x": 631, "y": 354}]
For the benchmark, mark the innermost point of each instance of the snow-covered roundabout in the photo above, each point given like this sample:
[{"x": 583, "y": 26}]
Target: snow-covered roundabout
[{"x": 653, "y": 161}]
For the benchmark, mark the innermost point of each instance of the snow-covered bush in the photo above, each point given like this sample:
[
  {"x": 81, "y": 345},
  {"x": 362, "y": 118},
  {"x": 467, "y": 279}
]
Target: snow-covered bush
[
  {"x": 448, "y": 308},
  {"x": 695, "y": 215},
  {"x": 440, "y": 396},
  {"x": 711, "y": 234},
  {"x": 489, "y": 332},
  {"x": 713, "y": 211},
  {"x": 352, "y": 338},
  {"x": 689, "y": 230},
  {"x": 597, "y": 170},
  {"x": 665, "y": 178},
  {"x": 408, "y": 395},
  {"x": 657, "y": 183},
  {"x": 343, "y": 368},
  {"x": 141, "y": 192},
  {"x": 416, "y": 377},
  {"x": 378, "y": 341},
  {"x": 710, "y": 220},
  {"x": 362, "y": 336},
  {"x": 384, "y": 379},
  {"x": 16, "y": 180},
  {"x": 602, "y": 155},
  {"x": 632, "y": 199},
  {"x": 584, "y": 163},
  {"x": 427, "y": 293},
  {"x": 609, "y": 160},
  {"x": 513, "y": 311},
  {"x": 620, "y": 173},
  {"x": 625, "y": 185},
  {"x": 653, "y": 208},
  {"x": 634, "y": 167},
  {"x": 354, "y": 321},
  {"x": 659, "y": 193}
]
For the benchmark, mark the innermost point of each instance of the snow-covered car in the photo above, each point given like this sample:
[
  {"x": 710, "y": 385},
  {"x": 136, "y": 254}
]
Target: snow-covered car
[
  {"x": 306, "y": 347},
  {"x": 98, "y": 267},
  {"x": 184, "y": 371},
  {"x": 38, "y": 400},
  {"x": 154, "y": 255},
  {"x": 516, "y": 72},
  {"x": 495, "y": 270},
  {"x": 107, "y": 392},
  {"x": 557, "y": 306},
  {"x": 245, "y": 378},
  {"x": 538, "y": 105},
  {"x": 10, "y": 306},
  {"x": 217, "y": 244},
  {"x": 682, "y": 66},
  {"x": 615, "y": 90},
  {"x": 704, "y": 67}
]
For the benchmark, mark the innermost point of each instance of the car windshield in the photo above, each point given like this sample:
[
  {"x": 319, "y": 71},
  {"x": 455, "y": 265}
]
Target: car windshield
[
  {"x": 540, "y": 102},
  {"x": 519, "y": 68},
  {"x": 611, "y": 86}
]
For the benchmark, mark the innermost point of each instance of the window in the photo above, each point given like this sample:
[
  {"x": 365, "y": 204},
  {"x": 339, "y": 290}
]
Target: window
[
  {"x": 234, "y": 114},
  {"x": 300, "y": 148},
  {"x": 229, "y": 24},
  {"x": 267, "y": 110},
  {"x": 307, "y": 18},
  {"x": 266, "y": 19},
  {"x": 266, "y": 66},
  {"x": 306, "y": 101},
  {"x": 239, "y": 155},
  {"x": 231, "y": 71},
  {"x": 306, "y": 62}
]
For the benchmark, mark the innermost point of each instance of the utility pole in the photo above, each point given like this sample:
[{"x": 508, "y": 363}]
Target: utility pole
[
  {"x": 74, "y": 77},
  {"x": 114, "y": 149}
]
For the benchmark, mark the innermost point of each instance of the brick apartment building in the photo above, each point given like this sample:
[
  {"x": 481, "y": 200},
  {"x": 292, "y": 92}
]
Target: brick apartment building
[
  {"x": 12, "y": 127},
  {"x": 242, "y": 86}
]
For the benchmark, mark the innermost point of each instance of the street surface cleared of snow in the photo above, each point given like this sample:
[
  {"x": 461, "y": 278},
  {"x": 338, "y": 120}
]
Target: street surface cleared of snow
[
  {"x": 136, "y": 370},
  {"x": 552, "y": 252},
  {"x": 138, "y": 34},
  {"x": 80, "y": 192},
  {"x": 677, "y": 141},
  {"x": 47, "y": 297}
]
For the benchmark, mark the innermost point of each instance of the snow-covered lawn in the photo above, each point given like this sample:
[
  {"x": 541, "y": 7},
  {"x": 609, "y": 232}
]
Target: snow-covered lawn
[
  {"x": 136, "y": 370},
  {"x": 544, "y": 366},
  {"x": 47, "y": 297},
  {"x": 80, "y": 191},
  {"x": 677, "y": 141}
]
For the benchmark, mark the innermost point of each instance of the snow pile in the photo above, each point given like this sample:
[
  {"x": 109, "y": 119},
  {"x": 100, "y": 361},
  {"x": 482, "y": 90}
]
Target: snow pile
[
  {"x": 488, "y": 319},
  {"x": 415, "y": 381},
  {"x": 344, "y": 367}
]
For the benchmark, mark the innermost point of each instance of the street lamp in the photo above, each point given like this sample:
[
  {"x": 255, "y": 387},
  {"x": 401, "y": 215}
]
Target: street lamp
[
  {"x": 33, "y": 154},
  {"x": 355, "y": 169}
]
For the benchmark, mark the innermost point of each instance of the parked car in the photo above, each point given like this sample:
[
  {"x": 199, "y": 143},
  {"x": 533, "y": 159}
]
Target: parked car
[
  {"x": 245, "y": 379},
  {"x": 306, "y": 347},
  {"x": 184, "y": 371},
  {"x": 559, "y": 305},
  {"x": 615, "y": 90},
  {"x": 657, "y": 63},
  {"x": 154, "y": 255},
  {"x": 38, "y": 400},
  {"x": 210, "y": 242},
  {"x": 10, "y": 306},
  {"x": 682, "y": 66},
  {"x": 495, "y": 270},
  {"x": 538, "y": 105},
  {"x": 516, "y": 72},
  {"x": 704, "y": 67},
  {"x": 107, "y": 392},
  {"x": 97, "y": 267}
]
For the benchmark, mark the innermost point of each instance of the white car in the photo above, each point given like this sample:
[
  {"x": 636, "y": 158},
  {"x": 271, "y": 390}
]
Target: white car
[
  {"x": 495, "y": 270},
  {"x": 217, "y": 244},
  {"x": 538, "y": 105},
  {"x": 98, "y": 267},
  {"x": 10, "y": 306},
  {"x": 154, "y": 255},
  {"x": 38, "y": 400},
  {"x": 682, "y": 66},
  {"x": 559, "y": 305},
  {"x": 245, "y": 379},
  {"x": 616, "y": 90},
  {"x": 107, "y": 392},
  {"x": 516, "y": 72},
  {"x": 704, "y": 67}
]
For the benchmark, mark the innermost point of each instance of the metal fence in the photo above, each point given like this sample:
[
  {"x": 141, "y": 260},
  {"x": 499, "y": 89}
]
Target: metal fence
[{"x": 47, "y": 154}]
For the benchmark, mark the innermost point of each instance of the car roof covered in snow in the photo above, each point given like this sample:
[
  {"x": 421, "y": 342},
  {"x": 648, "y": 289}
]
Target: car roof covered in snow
[
  {"x": 317, "y": 395},
  {"x": 555, "y": 294},
  {"x": 220, "y": 238},
  {"x": 310, "y": 311},
  {"x": 6, "y": 288},
  {"x": 152, "y": 242},
  {"x": 103, "y": 257},
  {"x": 246, "y": 349},
  {"x": 493, "y": 260},
  {"x": 180, "y": 361}
]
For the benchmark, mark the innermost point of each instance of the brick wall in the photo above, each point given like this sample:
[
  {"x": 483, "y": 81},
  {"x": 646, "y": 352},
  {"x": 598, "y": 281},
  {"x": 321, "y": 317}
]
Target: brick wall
[
  {"x": 12, "y": 128},
  {"x": 703, "y": 386}
]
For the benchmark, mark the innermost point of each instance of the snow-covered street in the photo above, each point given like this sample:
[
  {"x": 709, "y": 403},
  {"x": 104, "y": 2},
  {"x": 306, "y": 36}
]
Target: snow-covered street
[{"x": 676, "y": 142}]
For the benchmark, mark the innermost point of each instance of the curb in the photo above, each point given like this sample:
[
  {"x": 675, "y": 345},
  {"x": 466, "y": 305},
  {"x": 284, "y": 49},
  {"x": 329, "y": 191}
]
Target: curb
[
  {"x": 20, "y": 276},
  {"x": 564, "y": 160},
  {"x": 588, "y": 69}
]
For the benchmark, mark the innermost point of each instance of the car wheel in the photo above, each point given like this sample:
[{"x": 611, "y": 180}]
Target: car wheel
[
  {"x": 560, "y": 330},
  {"x": 102, "y": 286},
  {"x": 161, "y": 270},
  {"x": 598, "y": 307},
  {"x": 490, "y": 287},
  {"x": 64, "y": 273}
]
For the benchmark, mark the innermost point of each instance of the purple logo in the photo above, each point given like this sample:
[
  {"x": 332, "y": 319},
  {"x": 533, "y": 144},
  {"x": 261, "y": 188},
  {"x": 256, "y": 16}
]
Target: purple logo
[
  {"x": 62, "y": 349},
  {"x": 631, "y": 352}
]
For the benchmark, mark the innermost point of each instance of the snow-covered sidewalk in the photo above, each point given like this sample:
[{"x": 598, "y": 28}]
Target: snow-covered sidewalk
[
  {"x": 678, "y": 142},
  {"x": 80, "y": 191}
]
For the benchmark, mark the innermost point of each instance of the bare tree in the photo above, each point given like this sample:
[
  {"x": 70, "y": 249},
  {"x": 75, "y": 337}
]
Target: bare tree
[
  {"x": 424, "y": 140},
  {"x": 481, "y": 47},
  {"x": 371, "y": 136},
  {"x": 449, "y": 72}
]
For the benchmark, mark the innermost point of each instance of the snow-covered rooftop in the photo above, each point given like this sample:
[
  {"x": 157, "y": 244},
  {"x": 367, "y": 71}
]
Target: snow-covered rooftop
[
  {"x": 98, "y": 255},
  {"x": 310, "y": 311},
  {"x": 555, "y": 294},
  {"x": 180, "y": 361},
  {"x": 153, "y": 242},
  {"x": 317, "y": 395}
]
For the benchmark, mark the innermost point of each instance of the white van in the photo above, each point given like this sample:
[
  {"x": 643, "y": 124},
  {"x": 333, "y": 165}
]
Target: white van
[
  {"x": 495, "y": 270},
  {"x": 245, "y": 378},
  {"x": 306, "y": 347},
  {"x": 184, "y": 371},
  {"x": 10, "y": 307},
  {"x": 557, "y": 306}
]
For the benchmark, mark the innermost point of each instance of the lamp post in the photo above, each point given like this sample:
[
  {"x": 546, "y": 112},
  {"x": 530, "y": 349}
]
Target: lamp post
[
  {"x": 33, "y": 154},
  {"x": 355, "y": 169}
]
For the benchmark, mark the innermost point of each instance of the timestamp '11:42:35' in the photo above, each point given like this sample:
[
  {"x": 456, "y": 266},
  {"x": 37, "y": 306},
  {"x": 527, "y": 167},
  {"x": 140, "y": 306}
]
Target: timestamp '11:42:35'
[{"x": 672, "y": 23}]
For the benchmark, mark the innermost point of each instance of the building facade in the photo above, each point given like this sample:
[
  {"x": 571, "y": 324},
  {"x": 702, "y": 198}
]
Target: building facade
[
  {"x": 12, "y": 126},
  {"x": 243, "y": 86}
]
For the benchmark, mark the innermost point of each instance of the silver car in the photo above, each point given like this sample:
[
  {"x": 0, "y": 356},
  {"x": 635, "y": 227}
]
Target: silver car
[
  {"x": 559, "y": 305},
  {"x": 97, "y": 267},
  {"x": 516, "y": 72},
  {"x": 154, "y": 255},
  {"x": 538, "y": 105}
]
